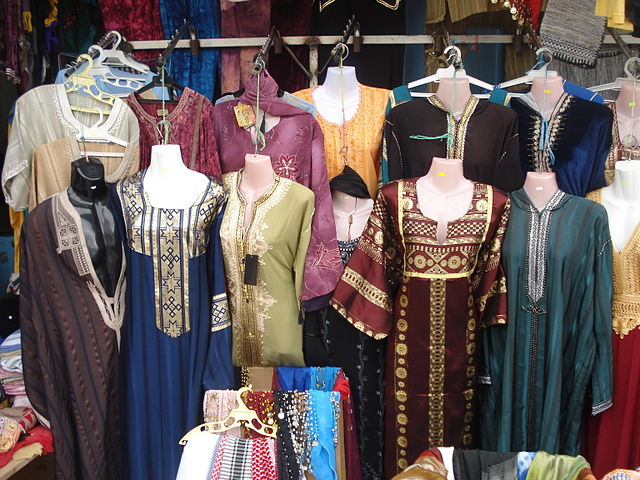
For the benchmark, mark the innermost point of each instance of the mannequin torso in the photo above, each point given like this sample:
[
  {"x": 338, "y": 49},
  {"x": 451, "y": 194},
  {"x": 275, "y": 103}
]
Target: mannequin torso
[
  {"x": 622, "y": 202},
  {"x": 628, "y": 113},
  {"x": 90, "y": 197},
  {"x": 257, "y": 178},
  {"x": 328, "y": 96},
  {"x": 547, "y": 91},
  {"x": 445, "y": 92},
  {"x": 444, "y": 194},
  {"x": 169, "y": 183},
  {"x": 351, "y": 214},
  {"x": 540, "y": 187}
]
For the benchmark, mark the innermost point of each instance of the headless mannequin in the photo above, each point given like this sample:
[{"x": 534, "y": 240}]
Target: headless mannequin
[
  {"x": 547, "y": 91},
  {"x": 627, "y": 113},
  {"x": 89, "y": 195},
  {"x": 328, "y": 97},
  {"x": 257, "y": 178},
  {"x": 540, "y": 187},
  {"x": 444, "y": 194},
  {"x": 169, "y": 183},
  {"x": 351, "y": 214},
  {"x": 445, "y": 93},
  {"x": 622, "y": 201}
]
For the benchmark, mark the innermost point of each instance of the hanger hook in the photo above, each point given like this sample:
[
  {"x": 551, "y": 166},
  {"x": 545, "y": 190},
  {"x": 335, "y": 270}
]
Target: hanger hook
[
  {"x": 343, "y": 51},
  {"x": 635, "y": 74},
  {"x": 118, "y": 41},
  {"x": 544, "y": 55},
  {"x": 453, "y": 56}
]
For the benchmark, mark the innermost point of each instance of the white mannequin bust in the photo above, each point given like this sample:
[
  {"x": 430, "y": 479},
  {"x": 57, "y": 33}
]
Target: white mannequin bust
[
  {"x": 628, "y": 112},
  {"x": 328, "y": 99},
  {"x": 540, "y": 187},
  {"x": 622, "y": 201},
  {"x": 169, "y": 183},
  {"x": 444, "y": 194},
  {"x": 547, "y": 91},
  {"x": 257, "y": 178},
  {"x": 445, "y": 93},
  {"x": 351, "y": 214}
]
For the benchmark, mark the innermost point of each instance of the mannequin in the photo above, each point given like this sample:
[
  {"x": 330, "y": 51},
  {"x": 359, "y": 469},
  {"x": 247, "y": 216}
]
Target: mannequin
[
  {"x": 627, "y": 112},
  {"x": 547, "y": 91},
  {"x": 445, "y": 93},
  {"x": 443, "y": 193},
  {"x": 540, "y": 187},
  {"x": 351, "y": 214},
  {"x": 90, "y": 197},
  {"x": 257, "y": 177},
  {"x": 622, "y": 201},
  {"x": 328, "y": 96},
  {"x": 169, "y": 183}
]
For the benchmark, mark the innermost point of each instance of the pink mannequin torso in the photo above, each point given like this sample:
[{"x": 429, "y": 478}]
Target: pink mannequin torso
[
  {"x": 257, "y": 178},
  {"x": 628, "y": 113},
  {"x": 540, "y": 187},
  {"x": 445, "y": 93},
  {"x": 547, "y": 91},
  {"x": 346, "y": 206},
  {"x": 444, "y": 194}
]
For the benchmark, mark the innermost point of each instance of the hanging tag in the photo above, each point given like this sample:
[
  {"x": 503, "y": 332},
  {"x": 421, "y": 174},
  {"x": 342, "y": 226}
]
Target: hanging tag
[
  {"x": 250, "y": 269},
  {"x": 162, "y": 112},
  {"x": 245, "y": 115}
]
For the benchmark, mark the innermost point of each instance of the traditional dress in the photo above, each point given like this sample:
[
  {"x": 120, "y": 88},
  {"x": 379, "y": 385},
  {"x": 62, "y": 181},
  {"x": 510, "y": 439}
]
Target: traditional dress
[
  {"x": 612, "y": 438},
  {"x": 176, "y": 340},
  {"x": 69, "y": 342},
  {"x": 579, "y": 137},
  {"x": 266, "y": 326},
  {"x": 556, "y": 350},
  {"x": 485, "y": 137},
  {"x": 398, "y": 274}
]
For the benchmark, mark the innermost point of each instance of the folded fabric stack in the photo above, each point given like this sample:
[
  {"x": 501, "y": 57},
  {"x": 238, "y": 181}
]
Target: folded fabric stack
[{"x": 11, "y": 365}]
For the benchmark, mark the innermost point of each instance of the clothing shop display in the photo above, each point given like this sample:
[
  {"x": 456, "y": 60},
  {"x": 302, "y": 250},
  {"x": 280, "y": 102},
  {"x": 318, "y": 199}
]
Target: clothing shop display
[
  {"x": 556, "y": 346},
  {"x": 175, "y": 310},
  {"x": 192, "y": 127},
  {"x": 363, "y": 135},
  {"x": 45, "y": 114},
  {"x": 295, "y": 145},
  {"x": 70, "y": 330},
  {"x": 266, "y": 308},
  {"x": 399, "y": 271},
  {"x": 578, "y": 138},
  {"x": 485, "y": 137}
]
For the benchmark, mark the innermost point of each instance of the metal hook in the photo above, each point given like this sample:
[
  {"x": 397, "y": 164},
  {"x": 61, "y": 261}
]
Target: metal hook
[
  {"x": 342, "y": 50},
  {"x": 453, "y": 56},
  {"x": 544, "y": 55},
  {"x": 635, "y": 74}
]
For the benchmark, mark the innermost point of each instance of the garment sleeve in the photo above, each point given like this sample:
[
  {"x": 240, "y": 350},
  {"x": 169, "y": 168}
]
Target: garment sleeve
[
  {"x": 207, "y": 134},
  {"x": 17, "y": 162},
  {"x": 303, "y": 244},
  {"x": 489, "y": 283},
  {"x": 218, "y": 372},
  {"x": 365, "y": 294},
  {"x": 602, "y": 145},
  {"x": 508, "y": 175},
  {"x": 601, "y": 377},
  {"x": 323, "y": 263},
  {"x": 391, "y": 151}
]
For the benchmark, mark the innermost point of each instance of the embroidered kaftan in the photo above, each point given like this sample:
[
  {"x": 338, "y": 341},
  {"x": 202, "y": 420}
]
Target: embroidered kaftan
[
  {"x": 266, "y": 327},
  {"x": 431, "y": 300},
  {"x": 556, "y": 350},
  {"x": 176, "y": 340}
]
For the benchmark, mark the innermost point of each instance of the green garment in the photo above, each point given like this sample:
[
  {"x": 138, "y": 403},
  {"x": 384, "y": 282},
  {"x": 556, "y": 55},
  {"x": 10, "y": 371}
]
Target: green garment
[
  {"x": 265, "y": 311},
  {"x": 556, "y": 467},
  {"x": 554, "y": 354}
]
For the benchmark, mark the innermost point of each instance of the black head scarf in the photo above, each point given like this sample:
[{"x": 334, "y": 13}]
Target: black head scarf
[{"x": 351, "y": 183}]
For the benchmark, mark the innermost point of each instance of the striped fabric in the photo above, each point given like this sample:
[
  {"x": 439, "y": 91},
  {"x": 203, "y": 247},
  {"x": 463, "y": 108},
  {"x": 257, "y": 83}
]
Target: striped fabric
[{"x": 236, "y": 459}]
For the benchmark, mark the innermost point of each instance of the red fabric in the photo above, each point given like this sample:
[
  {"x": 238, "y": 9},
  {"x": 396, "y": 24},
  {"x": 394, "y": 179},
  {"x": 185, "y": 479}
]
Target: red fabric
[
  {"x": 612, "y": 436},
  {"x": 433, "y": 452},
  {"x": 342, "y": 386},
  {"x": 39, "y": 435},
  {"x": 263, "y": 465}
]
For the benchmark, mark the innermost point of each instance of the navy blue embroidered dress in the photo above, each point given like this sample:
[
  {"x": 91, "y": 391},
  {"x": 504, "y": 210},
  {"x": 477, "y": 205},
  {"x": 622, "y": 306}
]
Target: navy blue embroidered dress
[{"x": 176, "y": 340}]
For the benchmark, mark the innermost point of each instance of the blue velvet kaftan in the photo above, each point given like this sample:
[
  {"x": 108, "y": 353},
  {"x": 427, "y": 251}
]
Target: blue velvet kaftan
[{"x": 176, "y": 340}]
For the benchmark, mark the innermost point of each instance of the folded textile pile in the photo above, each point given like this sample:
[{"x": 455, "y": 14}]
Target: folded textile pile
[{"x": 11, "y": 365}]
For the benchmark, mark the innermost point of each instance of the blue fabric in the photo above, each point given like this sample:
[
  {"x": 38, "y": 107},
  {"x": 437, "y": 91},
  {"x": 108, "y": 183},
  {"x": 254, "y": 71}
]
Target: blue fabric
[
  {"x": 485, "y": 60},
  {"x": 524, "y": 463},
  {"x": 581, "y": 92},
  {"x": 323, "y": 378},
  {"x": 294, "y": 378},
  {"x": 197, "y": 72},
  {"x": 163, "y": 378},
  {"x": 322, "y": 421}
]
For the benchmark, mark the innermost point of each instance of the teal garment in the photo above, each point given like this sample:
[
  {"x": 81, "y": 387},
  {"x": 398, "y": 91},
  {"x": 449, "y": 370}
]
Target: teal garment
[{"x": 554, "y": 355}]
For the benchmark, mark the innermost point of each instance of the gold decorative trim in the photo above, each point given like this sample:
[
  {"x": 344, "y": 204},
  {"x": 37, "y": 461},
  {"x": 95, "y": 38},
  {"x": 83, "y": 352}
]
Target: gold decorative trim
[
  {"x": 437, "y": 302},
  {"x": 458, "y": 130},
  {"x": 358, "y": 324},
  {"x": 369, "y": 291},
  {"x": 220, "y": 317},
  {"x": 626, "y": 314}
]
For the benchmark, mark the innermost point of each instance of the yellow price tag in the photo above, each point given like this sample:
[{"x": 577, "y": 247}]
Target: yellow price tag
[
  {"x": 442, "y": 174},
  {"x": 245, "y": 115},
  {"x": 632, "y": 104},
  {"x": 547, "y": 91}
]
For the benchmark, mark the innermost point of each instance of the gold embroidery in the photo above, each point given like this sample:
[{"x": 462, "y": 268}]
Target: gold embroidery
[
  {"x": 366, "y": 289},
  {"x": 437, "y": 302},
  {"x": 220, "y": 318},
  {"x": 626, "y": 313},
  {"x": 459, "y": 128}
]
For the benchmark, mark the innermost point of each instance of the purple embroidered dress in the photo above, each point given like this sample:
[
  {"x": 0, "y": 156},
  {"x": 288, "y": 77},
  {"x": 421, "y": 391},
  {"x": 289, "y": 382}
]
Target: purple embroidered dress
[{"x": 296, "y": 148}]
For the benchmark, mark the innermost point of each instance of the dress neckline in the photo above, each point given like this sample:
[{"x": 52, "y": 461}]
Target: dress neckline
[
  {"x": 62, "y": 99},
  {"x": 198, "y": 201},
  {"x": 633, "y": 238}
]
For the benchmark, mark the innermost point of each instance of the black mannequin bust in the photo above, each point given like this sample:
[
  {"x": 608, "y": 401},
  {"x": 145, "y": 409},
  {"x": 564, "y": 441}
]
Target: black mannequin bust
[{"x": 89, "y": 194}]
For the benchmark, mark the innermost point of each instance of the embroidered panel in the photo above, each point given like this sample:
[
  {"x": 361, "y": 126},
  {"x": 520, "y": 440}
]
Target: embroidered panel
[
  {"x": 401, "y": 367},
  {"x": 220, "y": 316},
  {"x": 68, "y": 235},
  {"x": 457, "y": 129},
  {"x": 372, "y": 293},
  {"x": 437, "y": 304},
  {"x": 539, "y": 153},
  {"x": 170, "y": 237}
]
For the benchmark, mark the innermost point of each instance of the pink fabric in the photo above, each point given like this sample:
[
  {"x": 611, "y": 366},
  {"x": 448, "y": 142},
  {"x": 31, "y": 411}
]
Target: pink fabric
[
  {"x": 192, "y": 127},
  {"x": 296, "y": 148}
]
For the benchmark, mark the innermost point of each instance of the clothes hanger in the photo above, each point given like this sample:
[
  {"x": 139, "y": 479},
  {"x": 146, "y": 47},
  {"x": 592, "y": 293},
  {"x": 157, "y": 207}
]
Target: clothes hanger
[
  {"x": 169, "y": 83},
  {"x": 116, "y": 58},
  {"x": 543, "y": 59},
  {"x": 97, "y": 133},
  {"x": 617, "y": 83},
  {"x": 82, "y": 82},
  {"x": 454, "y": 58},
  {"x": 240, "y": 416}
]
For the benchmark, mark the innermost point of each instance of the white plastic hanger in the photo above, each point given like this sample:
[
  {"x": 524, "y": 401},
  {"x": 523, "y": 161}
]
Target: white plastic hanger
[
  {"x": 97, "y": 133},
  {"x": 617, "y": 84},
  {"x": 113, "y": 57},
  {"x": 543, "y": 59},
  {"x": 454, "y": 57}
]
